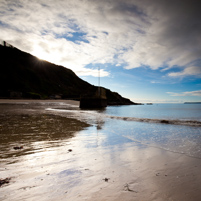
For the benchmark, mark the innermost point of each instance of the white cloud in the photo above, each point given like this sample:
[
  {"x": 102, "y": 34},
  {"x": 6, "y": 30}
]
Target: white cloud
[
  {"x": 93, "y": 72},
  {"x": 187, "y": 93},
  {"x": 188, "y": 71},
  {"x": 155, "y": 82},
  {"x": 132, "y": 32}
]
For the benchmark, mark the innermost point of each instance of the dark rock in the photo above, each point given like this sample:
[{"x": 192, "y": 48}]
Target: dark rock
[
  {"x": 4, "y": 181},
  {"x": 165, "y": 121},
  {"x": 106, "y": 179},
  {"x": 21, "y": 147}
]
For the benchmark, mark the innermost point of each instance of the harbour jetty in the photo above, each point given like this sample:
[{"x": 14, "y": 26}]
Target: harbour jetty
[{"x": 97, "y": 100}]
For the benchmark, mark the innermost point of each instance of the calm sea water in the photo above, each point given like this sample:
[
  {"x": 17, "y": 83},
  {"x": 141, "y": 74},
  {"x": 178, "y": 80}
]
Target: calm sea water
[
  {"x": 173, "y": 127},
  {"x": 159, "y": 111}
]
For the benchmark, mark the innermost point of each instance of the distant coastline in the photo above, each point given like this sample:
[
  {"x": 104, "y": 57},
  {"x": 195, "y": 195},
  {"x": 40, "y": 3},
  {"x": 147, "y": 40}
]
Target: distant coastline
[{"x": 192, "y": 103}]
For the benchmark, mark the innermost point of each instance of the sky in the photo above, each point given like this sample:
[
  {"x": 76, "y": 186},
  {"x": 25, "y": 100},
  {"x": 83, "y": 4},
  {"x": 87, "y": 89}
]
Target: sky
[{"x": 146, "y": 50}]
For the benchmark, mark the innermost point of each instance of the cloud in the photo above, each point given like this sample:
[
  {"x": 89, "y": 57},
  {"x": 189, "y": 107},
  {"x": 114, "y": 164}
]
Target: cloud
[
  {"x": 188, "y": 71},
  {"x": 171, "y": 39},
  {"x": 93, "y": 72},
  {"x": 187, "y": 93},
  {"x": 158, "y": 34},
  {"x": 155, "y": 82}
]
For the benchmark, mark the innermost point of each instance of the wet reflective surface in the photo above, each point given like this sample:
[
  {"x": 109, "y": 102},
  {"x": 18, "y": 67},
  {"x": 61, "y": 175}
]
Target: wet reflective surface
[{"x": 76, "y": 156}]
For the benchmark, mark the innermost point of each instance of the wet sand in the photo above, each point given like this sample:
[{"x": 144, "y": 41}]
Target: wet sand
[{"x": 62, "y": 159}]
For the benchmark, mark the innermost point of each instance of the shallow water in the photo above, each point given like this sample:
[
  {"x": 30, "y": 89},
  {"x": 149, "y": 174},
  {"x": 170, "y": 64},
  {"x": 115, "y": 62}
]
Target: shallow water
[
  {"x": 174, "y": 131},
  {"x": 73, "y": 154}
]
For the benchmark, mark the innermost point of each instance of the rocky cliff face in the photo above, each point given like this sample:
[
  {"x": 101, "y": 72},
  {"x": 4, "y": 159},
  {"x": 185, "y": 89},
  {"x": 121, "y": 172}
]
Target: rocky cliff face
[{"x": 25, "y": 76}]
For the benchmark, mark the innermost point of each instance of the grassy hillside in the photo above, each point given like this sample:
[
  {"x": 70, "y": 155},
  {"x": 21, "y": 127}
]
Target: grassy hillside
[{"x": 25, "y": 76}]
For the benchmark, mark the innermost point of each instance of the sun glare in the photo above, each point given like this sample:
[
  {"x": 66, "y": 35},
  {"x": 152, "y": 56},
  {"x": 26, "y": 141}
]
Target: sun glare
[{"x": 42, "y": 55}]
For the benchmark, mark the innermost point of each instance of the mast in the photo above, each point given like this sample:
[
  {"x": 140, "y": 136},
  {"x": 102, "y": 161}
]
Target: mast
[{"x": 99, "y": 91}]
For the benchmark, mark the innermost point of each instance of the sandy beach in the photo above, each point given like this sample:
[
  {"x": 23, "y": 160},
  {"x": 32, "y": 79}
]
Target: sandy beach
[{"x": 64, "y": 158}]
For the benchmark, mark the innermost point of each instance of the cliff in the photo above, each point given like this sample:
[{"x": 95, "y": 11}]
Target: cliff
[{"x": 23, "y": 75}]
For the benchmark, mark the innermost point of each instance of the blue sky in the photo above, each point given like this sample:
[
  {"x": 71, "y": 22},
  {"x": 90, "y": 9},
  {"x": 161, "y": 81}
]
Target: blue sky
[{"x": 147, "y": 50}]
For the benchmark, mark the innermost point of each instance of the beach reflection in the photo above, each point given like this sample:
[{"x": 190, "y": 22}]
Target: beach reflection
[
  {"x": 66, "y": 159},
  {"x": 34, "y": 132}
]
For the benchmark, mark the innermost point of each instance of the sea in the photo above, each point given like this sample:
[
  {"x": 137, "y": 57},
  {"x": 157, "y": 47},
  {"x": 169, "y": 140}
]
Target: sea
[{"x": 172, "y": 127}]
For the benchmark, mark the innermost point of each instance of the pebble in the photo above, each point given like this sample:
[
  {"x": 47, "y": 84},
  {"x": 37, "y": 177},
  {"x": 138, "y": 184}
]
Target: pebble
[{"x": 21, "y": 147}]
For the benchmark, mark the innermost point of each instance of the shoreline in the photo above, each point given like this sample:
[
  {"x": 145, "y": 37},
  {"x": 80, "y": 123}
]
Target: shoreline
[
  {"x": 91, "y": 163},
  {"x": 71, "y": 102}
]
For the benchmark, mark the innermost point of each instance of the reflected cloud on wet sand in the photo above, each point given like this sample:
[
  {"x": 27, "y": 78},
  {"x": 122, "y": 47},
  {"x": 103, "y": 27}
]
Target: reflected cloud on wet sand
[{"x": 88, "y": 162}]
